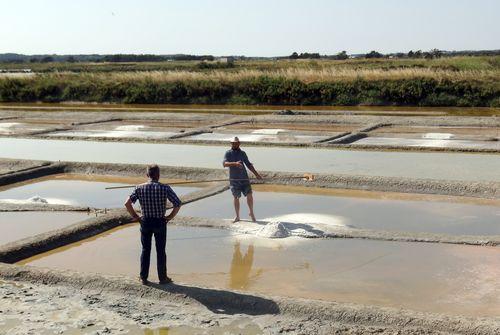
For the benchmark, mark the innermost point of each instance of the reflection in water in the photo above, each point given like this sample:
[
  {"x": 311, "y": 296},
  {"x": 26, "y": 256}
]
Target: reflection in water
[
  {"x": 241, "y": 266},
  {"x": 158, "y": 331}
]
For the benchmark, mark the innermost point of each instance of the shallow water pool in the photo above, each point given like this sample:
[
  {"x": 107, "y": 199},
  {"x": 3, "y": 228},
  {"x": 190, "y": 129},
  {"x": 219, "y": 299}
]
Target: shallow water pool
[
  {"x": 360, "y": 209},
  {"x": 18, "y": 225},
  {"x": 79, "y": 190},
  {"x": 448, "y": 279},
  {"x": 436, "y": 165}
]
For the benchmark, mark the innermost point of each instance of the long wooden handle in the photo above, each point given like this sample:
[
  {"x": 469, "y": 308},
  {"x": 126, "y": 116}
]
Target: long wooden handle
[{"x": 308, "y": 177}]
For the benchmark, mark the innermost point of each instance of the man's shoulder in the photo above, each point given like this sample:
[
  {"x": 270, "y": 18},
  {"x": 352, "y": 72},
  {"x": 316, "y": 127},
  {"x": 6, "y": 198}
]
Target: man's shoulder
[{"x": 143, "y": 185}]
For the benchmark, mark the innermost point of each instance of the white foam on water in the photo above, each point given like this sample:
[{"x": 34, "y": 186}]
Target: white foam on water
[
  {"x": 38, "y": 200},
  {"x": 130, "y": 127},
  {"x": 438, "y": 136},
  {"x": 268, "y": 131}
]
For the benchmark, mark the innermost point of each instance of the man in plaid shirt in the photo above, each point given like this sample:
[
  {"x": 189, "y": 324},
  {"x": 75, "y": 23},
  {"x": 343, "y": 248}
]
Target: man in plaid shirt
[{"x": 153, "y": 197}]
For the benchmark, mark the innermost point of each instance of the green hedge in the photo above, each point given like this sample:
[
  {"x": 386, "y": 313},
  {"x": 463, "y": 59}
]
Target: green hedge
[{"x": 260, "y": 90}]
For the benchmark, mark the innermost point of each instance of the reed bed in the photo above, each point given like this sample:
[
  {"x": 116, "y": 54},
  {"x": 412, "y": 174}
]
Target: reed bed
[
  {"x": 307, "y": 85},
  {"x": 306, "y": 75}
]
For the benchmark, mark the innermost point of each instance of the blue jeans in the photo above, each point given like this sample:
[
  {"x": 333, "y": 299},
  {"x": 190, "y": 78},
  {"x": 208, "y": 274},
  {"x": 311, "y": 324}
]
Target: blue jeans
[{"x": 158, "y": 228}]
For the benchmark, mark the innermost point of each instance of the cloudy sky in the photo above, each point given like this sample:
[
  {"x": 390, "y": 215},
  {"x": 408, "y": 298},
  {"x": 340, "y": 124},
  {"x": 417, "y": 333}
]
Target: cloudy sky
[{"x": 251, "y": 27}]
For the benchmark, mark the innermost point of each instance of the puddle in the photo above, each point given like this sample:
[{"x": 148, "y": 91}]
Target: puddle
[
  {"x": 235, "y": 327},
  {"x": 261, "y": 135},
  {"x": 430, "y": 165},
  {"x": 362, "y": 210},
  {"x": 77, "y": 190},
  {"x": 18, "y": 225},
  {"x": 427, "y": 277},
  {"x": 431, "y": 140}
]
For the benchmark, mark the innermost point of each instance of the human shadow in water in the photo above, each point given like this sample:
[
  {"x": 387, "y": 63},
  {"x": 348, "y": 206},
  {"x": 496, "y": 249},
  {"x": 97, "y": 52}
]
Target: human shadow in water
[
  {"x": 228, "y": 302},
  {"x": 241, "y": 267},
  {"x": 223, "y": 302}
]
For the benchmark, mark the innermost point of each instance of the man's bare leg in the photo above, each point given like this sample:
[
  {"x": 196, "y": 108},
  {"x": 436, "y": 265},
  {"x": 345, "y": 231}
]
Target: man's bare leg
[
  {"x": 236, "y": 202},
  {"x": 250, "y": 206}
]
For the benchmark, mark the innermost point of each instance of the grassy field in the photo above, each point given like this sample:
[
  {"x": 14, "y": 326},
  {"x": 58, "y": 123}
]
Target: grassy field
[{"x": 457, "y": 81}]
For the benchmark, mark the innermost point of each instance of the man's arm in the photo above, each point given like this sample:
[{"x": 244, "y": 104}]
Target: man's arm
[
  {"x": 251, "y": 168},
  {"x": 173, "y": 213},
  {"x": 236, "y": 164},
  {"x": 176, "y": 202},
  {"x": 131, "y": 210},
  {"x": 227, "y": 163}
]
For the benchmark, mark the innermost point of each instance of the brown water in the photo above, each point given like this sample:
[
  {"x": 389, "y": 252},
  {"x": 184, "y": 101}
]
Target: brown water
[
  {"x": 18, "y": 225},
  {"x": 437, "y": 165},
  {"x": 81, "y": 190},
  {"x": 448, "y": 279},
  {"x": 363, "y": 209},
  {"x": 253, "y": 109}
]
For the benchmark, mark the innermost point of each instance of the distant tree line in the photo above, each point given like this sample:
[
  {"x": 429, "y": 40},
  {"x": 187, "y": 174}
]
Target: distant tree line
[
  {"x": 431, "y": 54},
  {"x": 115, "y": 58},
  {"x": 122, "y": 58}
]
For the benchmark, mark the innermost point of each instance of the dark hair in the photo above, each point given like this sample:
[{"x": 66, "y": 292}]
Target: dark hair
[{"x": 153, "y": 172}]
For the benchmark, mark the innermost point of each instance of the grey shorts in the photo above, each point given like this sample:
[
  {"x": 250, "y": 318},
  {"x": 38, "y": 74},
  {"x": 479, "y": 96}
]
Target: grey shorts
[{"x": 238, "y": 189}]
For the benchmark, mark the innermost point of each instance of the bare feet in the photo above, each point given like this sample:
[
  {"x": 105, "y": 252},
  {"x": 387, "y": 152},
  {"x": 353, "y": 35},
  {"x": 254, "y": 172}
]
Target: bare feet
[
  {"x": 252, "y": 216},
  {"x": 236, "y": 219}
]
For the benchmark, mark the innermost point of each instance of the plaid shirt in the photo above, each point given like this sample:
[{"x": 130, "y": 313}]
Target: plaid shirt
[{"x": 153, "y": 197}]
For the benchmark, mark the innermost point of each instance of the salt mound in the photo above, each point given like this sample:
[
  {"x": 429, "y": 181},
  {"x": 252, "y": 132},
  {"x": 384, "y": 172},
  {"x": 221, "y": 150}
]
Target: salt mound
[
  {"x": 438, "y": 136},
  {"x": 268, "y": 131},
  {"x": 274, "y": 230},
  {"x": 311, "y": 219},
  {"x": 131, "y": 127},
  {"x": 38, "y": 199},
  {"x": 302, "y": 225}
]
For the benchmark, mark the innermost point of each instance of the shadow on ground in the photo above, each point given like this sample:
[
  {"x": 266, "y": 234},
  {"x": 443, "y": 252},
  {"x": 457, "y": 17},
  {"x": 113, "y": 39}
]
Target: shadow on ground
[{"x": 223, "y": 302}]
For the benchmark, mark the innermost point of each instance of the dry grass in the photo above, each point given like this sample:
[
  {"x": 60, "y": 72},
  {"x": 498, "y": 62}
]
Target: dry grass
[{"x": 306, "y": 75}]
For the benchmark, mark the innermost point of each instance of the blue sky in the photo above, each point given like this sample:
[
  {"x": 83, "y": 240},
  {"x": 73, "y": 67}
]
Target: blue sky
[{"x": 252, "y": 27}]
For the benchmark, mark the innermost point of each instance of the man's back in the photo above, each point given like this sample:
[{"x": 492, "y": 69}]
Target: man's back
[{"x": 153, "y": 198}]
